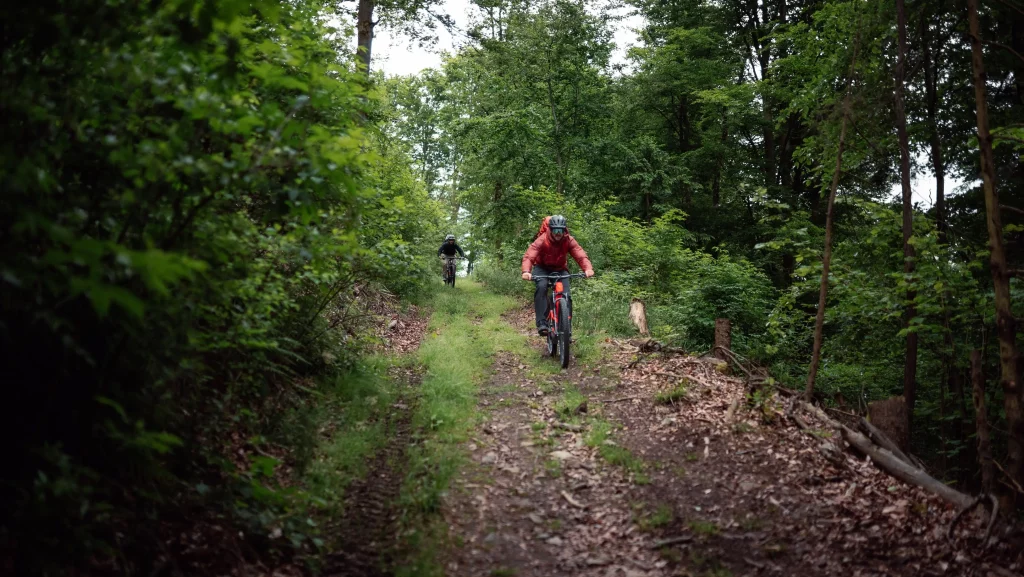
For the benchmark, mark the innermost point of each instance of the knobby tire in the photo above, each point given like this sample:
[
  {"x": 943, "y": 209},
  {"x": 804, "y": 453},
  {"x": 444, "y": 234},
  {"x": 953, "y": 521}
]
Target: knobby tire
[
  {"x": 552, "y": 333},
  {"x": 564, "y": 333}
]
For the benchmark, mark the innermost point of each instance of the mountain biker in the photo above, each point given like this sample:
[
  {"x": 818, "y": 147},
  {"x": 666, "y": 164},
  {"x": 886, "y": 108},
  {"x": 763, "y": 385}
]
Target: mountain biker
[
  {"x": 547, "y": 255},
  {"x": 449, "y": 248}
]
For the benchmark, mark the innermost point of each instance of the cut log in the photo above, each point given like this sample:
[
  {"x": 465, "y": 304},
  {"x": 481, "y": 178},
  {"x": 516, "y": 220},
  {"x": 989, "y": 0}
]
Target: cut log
[
  {"x": 723, "y": 337},
  {"x": 890, "y": 416},
  {"x": 638, "y": 315},
  {"x": 896, "y": 467}
]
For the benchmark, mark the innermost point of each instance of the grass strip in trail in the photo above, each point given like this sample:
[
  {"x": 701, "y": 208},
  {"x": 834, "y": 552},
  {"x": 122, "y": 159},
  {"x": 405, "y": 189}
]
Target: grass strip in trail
[
  {"x": 465, "y": 333},
  {"x": 349, "y": 417},
  {"x": 600, "y": 437}
]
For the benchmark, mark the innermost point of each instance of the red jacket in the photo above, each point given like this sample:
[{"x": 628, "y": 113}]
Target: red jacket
[{"x": 546, "y": 252}]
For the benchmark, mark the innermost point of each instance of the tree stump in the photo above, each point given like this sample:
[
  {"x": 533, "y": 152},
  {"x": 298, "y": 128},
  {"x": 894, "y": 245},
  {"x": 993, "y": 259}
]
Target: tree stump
[
  {"x": 723, "y": 337},
  {"x": 890, "y": 417},
  {"x": 638, "y": 314}
]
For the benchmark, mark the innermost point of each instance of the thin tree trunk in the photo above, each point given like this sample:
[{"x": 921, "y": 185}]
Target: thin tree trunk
[
  {"x": 716, "y": 184},
  {"x": 910, "y": 365},
  {"x": 826, "y": 259},
  {"x": 981, "y": 420},
  {"x": 454, "y": 196},
  {"x": 953, "y": 384},
  {"x": 1005, "y": 326},
  {"x": 938, "y": 164},
  {"x": 497, "y": 241},
  {"x": 560, "y": 182},
  {"x": 364, "y": 28}
]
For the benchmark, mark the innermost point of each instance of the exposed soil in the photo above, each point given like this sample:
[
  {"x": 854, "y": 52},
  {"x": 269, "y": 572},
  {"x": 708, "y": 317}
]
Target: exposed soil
[
  {"x": 726, "y": 486},
  {"x": 367, "y": 531}
]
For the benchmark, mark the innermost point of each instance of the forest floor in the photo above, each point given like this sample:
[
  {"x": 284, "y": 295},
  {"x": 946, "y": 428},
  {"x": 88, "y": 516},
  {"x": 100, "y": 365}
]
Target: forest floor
[{"x": 499, "y": 463}]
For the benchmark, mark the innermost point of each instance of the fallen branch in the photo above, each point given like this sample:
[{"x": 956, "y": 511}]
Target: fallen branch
[
  {"x": 651, "y": 345},
  {"x": 883, "y": 440},
  {"x": 619, "y": 400},
  {"x": 900, "y": 469},
  {"x": 991, "y": 522},
  {"x": 731, "y": 413},
  {"x": 753, "y": 563},
  {"x": 844, "y": 413},
  {"x": 1016, "y": 486},
  {"x": 732, "y": 357},
  {"x": 569, "y": 427},
  {"x": 800, "y": 423},
  {"x": 828, "y": 449},
  {"x": 572, "y": 501},
  {"x": 672, "y": 541}
]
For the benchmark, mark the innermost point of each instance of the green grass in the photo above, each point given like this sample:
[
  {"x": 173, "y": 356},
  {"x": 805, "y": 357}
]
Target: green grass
[
  {"x": 673, "y": 395},
  {"x": 553, "y": 468},
  {"x": 600, "y": 432},
  {"x": 704, "y": 528},
  {"x": 352, "y": 413},
  {"x": 660, "y": 517},
  {"x": 457, "y": 355},
  {"x": 570, "y": 403}
]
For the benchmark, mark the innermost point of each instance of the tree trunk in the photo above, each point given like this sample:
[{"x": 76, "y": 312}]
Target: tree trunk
[
  {"x": 716, "y": 184},
  {"x": 966, "y": 457},
  {"x": 910, "y": 365},
  {"x": 638, "y": 315},
  {"x": 723, "y": 337},
  {"x": 981, "y": 422},
  {"x": 1005, "y": 326},
  {"x": 454, "y": 197},
  {"x": 560, "y": 177},
  {"x": 497, "y": 241},
  {"x": 826, "y": 259},
  {"x": 938, "y": 164},
  {"x": 364, "y": 27}
]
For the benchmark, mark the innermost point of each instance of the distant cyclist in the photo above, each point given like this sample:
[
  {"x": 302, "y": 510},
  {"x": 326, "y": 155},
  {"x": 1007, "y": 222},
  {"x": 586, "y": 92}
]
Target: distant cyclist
[
  {"x": 547, "y": 255},
  {"x": 448, "y": 249}
]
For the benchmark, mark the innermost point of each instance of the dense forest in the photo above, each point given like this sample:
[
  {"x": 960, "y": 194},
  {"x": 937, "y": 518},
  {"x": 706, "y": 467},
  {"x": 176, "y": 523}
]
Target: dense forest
[{"x": 205, "y": 204}]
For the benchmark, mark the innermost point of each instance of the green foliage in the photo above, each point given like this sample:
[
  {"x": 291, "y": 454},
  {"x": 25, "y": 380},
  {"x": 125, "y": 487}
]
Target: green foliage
[
  {"x": 193, "y": 213},
  {"x": 675, "y": 394}
]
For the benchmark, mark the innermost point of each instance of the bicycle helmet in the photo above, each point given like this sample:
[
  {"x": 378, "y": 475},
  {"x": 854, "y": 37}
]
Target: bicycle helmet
[
  {"x": 557, "y": 222},
  {"x": 449, "y": 237}
]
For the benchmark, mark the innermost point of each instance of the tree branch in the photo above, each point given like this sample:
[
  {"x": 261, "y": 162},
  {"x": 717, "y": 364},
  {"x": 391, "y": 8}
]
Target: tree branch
[
  {"x": 1011, "y": 7},
  {"x": 1011, "y": 209}
]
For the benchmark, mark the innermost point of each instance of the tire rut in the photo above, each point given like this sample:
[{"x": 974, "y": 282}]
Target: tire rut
[{"x": 367, "y": 531}]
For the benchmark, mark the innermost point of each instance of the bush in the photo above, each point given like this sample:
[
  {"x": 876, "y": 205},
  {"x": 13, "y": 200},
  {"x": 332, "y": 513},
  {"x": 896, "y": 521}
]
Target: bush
[
  {"x": 190, "y": 199},
  {"x": 685, "y": 290}
]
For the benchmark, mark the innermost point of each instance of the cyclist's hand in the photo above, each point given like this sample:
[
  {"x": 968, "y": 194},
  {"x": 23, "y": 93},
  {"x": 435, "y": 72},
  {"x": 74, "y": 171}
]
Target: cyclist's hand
[
  {"x": 527, "y": 276},
  {"x": 589, "y": 273}
]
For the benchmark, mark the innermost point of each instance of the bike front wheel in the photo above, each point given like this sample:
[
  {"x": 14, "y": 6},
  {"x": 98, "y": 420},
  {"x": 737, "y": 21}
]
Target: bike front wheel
[{"x": 564, "y": 335}]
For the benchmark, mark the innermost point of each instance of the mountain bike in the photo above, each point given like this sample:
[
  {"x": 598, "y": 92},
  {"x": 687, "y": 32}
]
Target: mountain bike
[
  {"x": 449, "y": 269},
  {"x": 559, "y": 316}
]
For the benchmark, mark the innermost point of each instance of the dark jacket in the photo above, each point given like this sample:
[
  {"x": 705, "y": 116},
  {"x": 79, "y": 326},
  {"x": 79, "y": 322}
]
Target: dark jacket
[{"x": 450, "y": 249}]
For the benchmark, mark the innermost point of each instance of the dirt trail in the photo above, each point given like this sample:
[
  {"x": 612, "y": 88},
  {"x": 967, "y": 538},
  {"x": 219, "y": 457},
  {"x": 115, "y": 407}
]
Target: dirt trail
[{"x": 635, "y": 488}]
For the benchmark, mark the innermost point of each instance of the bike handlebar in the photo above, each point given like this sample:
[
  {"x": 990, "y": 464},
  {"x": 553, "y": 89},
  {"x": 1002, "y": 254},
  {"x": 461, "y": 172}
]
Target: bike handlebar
[{"x": 536, "y": 278}]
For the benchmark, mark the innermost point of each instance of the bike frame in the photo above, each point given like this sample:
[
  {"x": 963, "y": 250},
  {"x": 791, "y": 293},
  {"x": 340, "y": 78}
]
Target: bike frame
[
  {"x": 558, "y": 296},
  {"x": 449, "y": 266}
]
